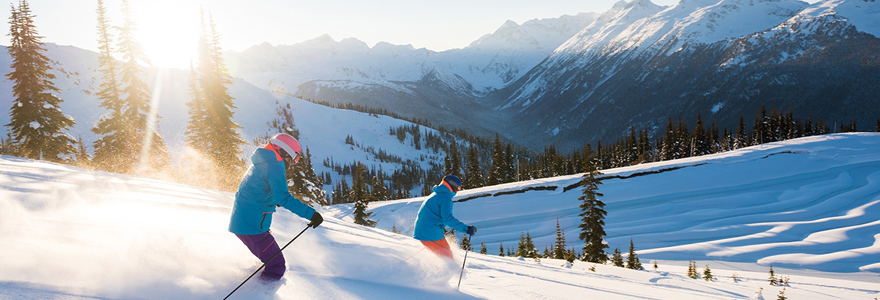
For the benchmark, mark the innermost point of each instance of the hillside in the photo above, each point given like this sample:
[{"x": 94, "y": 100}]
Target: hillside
[
  {"x": 809, "y": 203},
  {"x": 78, "y": 234}
]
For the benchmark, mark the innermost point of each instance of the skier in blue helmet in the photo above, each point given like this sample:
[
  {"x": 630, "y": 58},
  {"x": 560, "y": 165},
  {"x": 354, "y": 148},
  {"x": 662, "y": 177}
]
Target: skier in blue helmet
[{"x": 436, "y": 213}]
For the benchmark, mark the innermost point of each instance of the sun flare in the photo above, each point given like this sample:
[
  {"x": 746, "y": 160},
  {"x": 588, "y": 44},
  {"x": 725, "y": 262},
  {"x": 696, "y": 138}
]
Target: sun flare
[{"x": 169, "y": 37}]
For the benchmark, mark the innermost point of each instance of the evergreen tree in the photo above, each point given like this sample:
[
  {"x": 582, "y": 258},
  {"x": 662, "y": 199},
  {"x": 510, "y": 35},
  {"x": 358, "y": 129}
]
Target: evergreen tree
[
  {"x": 668, "y": 151},
  {"x": 773, "y": 280},
  {"x": 692, "y": 270},
  {"x": 511, "y": 164},
  {"x": 498, "y": 169},
  {"x": 501, "y": 249},
  {"x": 559, "y": 247},
  {"x": 632, "y": 262},
  {"x": 137, "y": 112},
  {"x": 521, "y": 246},
  {"x": 531, "y": 251},
  {"x": 592, "y": 213},
  {"x": 82, "y": 158},
  {"x": 781, "y": 295},
  {"x": 701, "y": 144},
  {"x": 211, "y": 129},
  {"x": 617, "y": 258},
  {"x": 361, "y": 217},
  {"x": 361, "y": 197},
  {"x": 36, "y": 124},
  {"x": 452, "y": 163},
  {"x": 483, "y": 249},
  {"x": 466, "y": 243},
  {"x": 741, "y": 138},
  {"x": 113, "y": 149},
  {"x": 473, "y": 176},
  {"x": 707, "y": 274}
]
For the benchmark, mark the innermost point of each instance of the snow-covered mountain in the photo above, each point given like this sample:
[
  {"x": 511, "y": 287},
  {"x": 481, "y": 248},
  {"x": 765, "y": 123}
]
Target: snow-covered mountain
[
  {"x": 640, "y": 64},
  {"x": 488, "y": 63},
  {"x": 583, "y": 78},
  {"x": 810, "y": 203},
  {"x": 442, "y": 87}
]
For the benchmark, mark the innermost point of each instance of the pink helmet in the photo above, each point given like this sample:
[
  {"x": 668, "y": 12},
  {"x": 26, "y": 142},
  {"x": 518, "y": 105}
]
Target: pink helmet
[{"x": 289, "y": 144}]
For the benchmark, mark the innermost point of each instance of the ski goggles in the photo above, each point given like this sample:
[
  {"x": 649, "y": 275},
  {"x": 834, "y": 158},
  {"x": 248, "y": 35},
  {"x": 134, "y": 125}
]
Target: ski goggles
[
  {"x": 455, "y": 187},
  {"x": 290, "y": 159}
]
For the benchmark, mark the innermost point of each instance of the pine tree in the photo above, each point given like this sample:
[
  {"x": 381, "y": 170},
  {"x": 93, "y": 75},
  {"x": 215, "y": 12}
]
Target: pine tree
[
  {"x": 466, "y": 243},
  {"x": 692, "y": 270},
  {"x": 210, "y": 128},
  {"x": 82, "y": 157},
  {"x": 781, "y": 295},
  {"x": 592, "y": 213},
  {"x": 452, "y": 163},
  {"x": 617, "y": 258},
  {"x": 707, "y": 274},
  {"x": 501, "y": 249},
  {"x": 632, "y": 262},
  {"x": 473, "y": 176},
  {"x": 511, "y": 165},
  {"x": 700, "y": 139},
  {"x": 668, "y": 151},
  {"x": 521, "y": 246},
  {"x": 361, "y": 197},
  {"x": 112, "y": 149},
  {"x": 531, "y": 251},
  {"x": 773, "y": 280},
  {"x": 138, "y": 113},
  {"x": 36, "y": 124},
  {"x": 559, "y": 247},
  {"x": 498, "y": 169},
  {"x": 483, "y": 249}
]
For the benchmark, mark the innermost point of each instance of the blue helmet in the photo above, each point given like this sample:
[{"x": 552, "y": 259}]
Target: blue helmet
[{"x": 453, "y": 181}]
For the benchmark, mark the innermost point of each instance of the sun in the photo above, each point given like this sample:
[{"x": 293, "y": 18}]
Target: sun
[{"x": 169, "y": 37}]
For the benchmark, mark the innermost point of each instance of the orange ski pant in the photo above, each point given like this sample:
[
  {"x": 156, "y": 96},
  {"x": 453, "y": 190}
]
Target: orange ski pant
[{"x": 439, "y": 247}]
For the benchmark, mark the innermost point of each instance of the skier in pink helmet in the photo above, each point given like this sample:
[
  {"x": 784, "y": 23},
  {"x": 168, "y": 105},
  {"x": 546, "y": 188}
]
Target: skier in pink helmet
[{"x": 263, "y": 188}]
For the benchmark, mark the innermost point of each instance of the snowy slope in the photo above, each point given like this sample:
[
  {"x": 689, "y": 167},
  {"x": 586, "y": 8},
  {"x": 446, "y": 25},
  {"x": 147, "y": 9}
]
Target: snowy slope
[
  {"x": 807, "y": 203},
  {"x": 68, "y": 233}
]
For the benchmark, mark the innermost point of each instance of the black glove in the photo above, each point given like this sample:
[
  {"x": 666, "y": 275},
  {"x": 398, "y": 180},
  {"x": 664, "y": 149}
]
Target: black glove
[
  {"x": 317, "y": 219},
  {"x": 472, "y": 230}
]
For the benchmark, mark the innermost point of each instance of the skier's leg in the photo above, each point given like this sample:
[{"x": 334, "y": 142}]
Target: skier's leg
[
  {"x": 439, "y": 247},
  {"x": 263, "y": 246}
]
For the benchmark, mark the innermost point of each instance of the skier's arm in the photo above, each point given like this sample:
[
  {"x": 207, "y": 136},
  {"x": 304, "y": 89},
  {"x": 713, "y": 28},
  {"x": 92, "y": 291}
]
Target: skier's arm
[
  {"x": 281, "y": 195},
  {"x": 448, "y": 218}
]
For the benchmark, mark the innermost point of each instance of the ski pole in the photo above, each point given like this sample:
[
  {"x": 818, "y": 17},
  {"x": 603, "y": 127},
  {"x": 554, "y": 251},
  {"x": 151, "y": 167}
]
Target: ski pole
[
  {"x": 414, "y": 254},
  {"x": 267, "y": 261},
  {"x": 462, "y": 266}
]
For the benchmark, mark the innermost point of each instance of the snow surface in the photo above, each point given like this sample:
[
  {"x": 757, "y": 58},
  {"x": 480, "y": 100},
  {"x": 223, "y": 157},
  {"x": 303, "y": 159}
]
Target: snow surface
[{"x": 69, "y": 233}]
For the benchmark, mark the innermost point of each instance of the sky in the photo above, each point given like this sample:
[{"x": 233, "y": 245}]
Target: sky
[{"x": 168, "y": 29}]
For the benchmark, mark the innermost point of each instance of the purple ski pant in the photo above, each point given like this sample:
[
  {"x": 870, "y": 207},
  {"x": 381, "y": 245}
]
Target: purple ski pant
[{"x": 263, "y": 246}]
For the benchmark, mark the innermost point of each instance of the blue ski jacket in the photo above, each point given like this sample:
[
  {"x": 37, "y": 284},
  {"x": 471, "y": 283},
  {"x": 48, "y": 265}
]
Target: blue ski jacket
[
  {"x": 262, "y": 189},
  {"x": 435, "y": 213}
]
